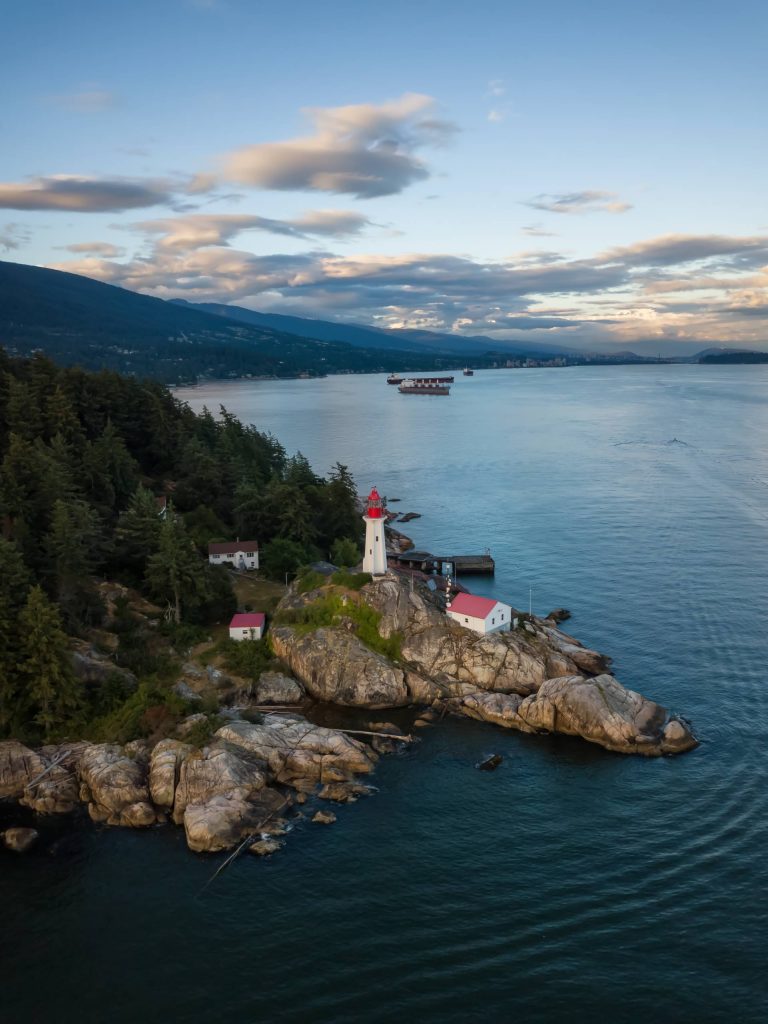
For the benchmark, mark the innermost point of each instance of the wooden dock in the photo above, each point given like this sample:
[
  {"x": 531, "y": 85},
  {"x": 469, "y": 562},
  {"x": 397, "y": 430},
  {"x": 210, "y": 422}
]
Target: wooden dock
[{"x": 444, "y": 565}]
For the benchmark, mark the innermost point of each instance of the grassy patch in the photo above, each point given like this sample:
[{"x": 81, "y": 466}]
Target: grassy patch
[
  {"x": 351, "y": 580},
  {"x": 255, "y": 594},
  {"x": 247, "y": 658},
  {"x": 331, "y": 609}
]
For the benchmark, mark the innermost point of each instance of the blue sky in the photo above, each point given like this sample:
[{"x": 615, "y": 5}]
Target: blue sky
[{"x": 593, "y": 175}]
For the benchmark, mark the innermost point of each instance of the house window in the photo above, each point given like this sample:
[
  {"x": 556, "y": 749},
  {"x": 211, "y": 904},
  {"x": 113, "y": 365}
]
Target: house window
[
  {"x": 466, "y": 619},
  {"x": 249, "y": 554},
  {"x": 217, "y": 556},
  {"x": 493, "y": 621},
  {"x": 245, "y": 632}
]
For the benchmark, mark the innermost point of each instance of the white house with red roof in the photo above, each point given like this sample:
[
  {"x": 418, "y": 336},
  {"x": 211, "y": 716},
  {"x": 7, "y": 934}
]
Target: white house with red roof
[
  {"x": 481, "y": 614},
  {"x": 243, "y": 554},
  {"x": 247, "y": 626}
]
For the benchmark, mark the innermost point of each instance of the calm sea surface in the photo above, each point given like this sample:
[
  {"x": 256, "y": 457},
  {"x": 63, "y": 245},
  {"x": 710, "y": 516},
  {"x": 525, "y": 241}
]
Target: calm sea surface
[{"x": 571, "y": 884}]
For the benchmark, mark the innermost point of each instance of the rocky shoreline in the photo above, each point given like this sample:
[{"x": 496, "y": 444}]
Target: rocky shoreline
[{"x": 262, "y": 765}]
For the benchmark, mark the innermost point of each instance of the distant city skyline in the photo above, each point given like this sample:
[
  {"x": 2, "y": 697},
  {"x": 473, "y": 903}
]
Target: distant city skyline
[{"x": 590, "y": 176}]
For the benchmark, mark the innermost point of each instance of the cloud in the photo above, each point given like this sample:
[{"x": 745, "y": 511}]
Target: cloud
[
  {"x": 84, "y": 195},
  {"x": 669, "y": 250},
  {"x": 195, "y": 231},
  {"x": 494, "y": 116},
  {"x": 362, "y": 150},
  {"x": 14, "y": 236},
  {"x": 105, "y": 249},
  {"x": 496, "y": 87},
  {"x": 536, "y": 231},
  {"x": 89, "y": 101},
  {"x": 579, "y": 202}
]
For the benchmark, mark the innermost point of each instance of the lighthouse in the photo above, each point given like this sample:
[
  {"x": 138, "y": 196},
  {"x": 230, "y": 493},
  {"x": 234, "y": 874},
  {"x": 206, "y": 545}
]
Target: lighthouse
[{"x": 375, "y": 557}]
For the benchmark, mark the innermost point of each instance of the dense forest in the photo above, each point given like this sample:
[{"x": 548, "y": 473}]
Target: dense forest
[{"x": 84, "y": 458}]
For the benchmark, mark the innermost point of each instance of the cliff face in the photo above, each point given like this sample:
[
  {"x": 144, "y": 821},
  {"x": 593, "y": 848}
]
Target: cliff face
[{"x": 535, "y": 679}]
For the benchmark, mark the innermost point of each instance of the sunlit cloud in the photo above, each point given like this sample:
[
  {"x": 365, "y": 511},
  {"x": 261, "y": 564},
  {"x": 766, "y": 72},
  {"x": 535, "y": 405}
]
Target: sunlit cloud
[
  {"x": 194, "y": 231},
  {"x": 363, "y": 150}
]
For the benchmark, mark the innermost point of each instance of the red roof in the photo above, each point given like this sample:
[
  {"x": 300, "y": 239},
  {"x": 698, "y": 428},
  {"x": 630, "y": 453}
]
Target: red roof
[
  {"x": 473, "y": 606},
  {"x": 247, "y": 620},
  {"x": 231, "y": 547}
]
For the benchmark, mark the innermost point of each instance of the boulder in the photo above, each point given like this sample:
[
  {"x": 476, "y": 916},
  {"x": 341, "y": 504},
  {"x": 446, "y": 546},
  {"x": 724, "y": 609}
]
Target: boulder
[
  {"x": 115, "y": 786},
  {"x": 45, "y": 781},
  {"x": 324, "y": 818},
  {"x": 335, "y": 666},
  {"x": 265, "y": 847},
  {"x": 297, "y": 749},
  {"x": 164, "y": 769},
  {"x": 19, "y": 839},
  {"x": 602, "y": 711},
  {"x": 185, "y": 727},
  {"x": 221, "y": 797},
  {"x": 94, "y": 668},
  {"x": 276, "y": 688}
]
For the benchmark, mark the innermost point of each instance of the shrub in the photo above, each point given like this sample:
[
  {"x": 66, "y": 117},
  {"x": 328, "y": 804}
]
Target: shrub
[
  {"x": 351, "y": 580},
  {"x": 328, "y": 612},
  {"x": 310, "y": 580}
]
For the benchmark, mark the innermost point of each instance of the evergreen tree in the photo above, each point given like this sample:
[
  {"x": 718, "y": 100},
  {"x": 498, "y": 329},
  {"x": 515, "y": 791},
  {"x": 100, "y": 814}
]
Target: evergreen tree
[
  {"x": 51, "y": 689},
  {"x": 73, "y": 547},
  {"x": 345, "y": 553},
  {"x": 138, "y": 532},
  {"x": 176, "y": 569}
]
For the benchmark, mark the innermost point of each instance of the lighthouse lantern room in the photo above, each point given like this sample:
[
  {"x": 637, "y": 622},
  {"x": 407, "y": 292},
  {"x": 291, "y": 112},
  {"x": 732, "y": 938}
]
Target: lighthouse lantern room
[{"x": 375, "y": 558}]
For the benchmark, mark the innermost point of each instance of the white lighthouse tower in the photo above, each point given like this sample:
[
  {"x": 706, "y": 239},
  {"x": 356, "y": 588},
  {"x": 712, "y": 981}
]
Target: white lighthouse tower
[{"x": 375, "y": 557}]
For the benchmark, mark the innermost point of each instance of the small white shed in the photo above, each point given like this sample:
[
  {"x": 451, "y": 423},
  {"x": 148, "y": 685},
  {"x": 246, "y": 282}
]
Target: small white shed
[
  {"x": 481, "y": 614},
  {"x": 247, "y": 626}
]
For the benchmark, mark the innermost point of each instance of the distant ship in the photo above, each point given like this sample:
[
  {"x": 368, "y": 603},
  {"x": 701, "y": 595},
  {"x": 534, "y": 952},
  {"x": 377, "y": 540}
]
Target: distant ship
[
  {"x": 425, "y": 386},
  {"x": 394, "y": 378},
  {"x": 468, "y": 372}
]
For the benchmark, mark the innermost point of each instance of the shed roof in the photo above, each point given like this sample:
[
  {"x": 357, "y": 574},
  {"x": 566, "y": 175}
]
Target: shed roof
[
  {"x": 472, "y": 605},
  {"x": 247, "y": 620}
]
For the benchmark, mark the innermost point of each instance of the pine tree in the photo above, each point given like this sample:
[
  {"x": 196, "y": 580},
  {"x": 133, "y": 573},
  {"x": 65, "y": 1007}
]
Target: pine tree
[
  {"x": 138, "y": 531},
  {"x": 73, "y": 546},
  {"x": 176, "y": 568},
  {"x": 45, "y": 667}
]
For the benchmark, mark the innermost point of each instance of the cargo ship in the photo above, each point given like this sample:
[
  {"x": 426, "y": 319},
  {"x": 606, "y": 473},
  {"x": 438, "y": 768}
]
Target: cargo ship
[
  {"x": 424, "y": 386},
  {"x": 468, "y": 372},
  {"x": 394, "y": 378}
]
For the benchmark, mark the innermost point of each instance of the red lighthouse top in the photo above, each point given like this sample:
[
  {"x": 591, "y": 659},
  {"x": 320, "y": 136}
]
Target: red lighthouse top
[{"x": 375, "y": 505}]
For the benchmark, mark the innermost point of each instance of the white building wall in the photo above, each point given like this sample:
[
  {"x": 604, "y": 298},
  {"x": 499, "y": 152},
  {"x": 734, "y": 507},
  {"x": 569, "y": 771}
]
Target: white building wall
[
  {"x": 502, "y": 614},
  {"x": 249, "y": 633},
  {"x": 240, "y": 559}
]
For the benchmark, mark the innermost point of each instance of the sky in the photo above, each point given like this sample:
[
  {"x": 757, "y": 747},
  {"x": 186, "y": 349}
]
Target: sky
[{"x": 587, "y": 174}]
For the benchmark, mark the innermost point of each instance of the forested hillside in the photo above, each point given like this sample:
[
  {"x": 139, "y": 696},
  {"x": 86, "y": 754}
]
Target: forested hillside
[
  {"x": 83, "y": 459},
  {"x": 79, "y": 321}
]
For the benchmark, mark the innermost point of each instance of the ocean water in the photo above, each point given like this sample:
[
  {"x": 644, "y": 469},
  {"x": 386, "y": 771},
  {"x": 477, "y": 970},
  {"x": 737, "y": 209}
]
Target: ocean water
[{"x": 571, "y": 884}]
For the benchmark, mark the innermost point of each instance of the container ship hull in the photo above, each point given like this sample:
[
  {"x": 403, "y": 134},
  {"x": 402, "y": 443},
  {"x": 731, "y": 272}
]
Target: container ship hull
[{"x": 412, "y": 387}]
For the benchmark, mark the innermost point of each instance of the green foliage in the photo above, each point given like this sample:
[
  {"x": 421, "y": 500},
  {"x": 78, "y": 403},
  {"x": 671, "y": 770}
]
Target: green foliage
[
  {"x": 200, "y": 734},
  {"x": 148, "y": 710},
  {"x": 329, "y": 612},
  {"x": 310, "y": 580},
  {"x": 248, "y": 658},
  {"x": 345, "y": 553},
  {"x": 282, "y": 556},
  {"x": 351, "y": 580},
  {"x": 175, "y": 569},
  {"x": 51, "y": 694}
]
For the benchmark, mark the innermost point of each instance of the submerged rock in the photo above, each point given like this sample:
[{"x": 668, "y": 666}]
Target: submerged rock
[
  {"x": 19, "y": 839},
  {"x": 324, "y": 818}
]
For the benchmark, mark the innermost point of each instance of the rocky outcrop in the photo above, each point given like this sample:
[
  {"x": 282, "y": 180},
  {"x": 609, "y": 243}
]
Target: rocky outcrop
[
  {"x": 533, "y": 678},
  {"x": 94, "y": 668},
  {"x": 221, "y": 797},
  {"x": 294, "y": 748},
  {"x": 276, "y": 688},
  {"x": 598, "y": 709},
  {"x": 45, "y": 781},
  {"x": 164, "y": 770},
  {"x": 115, "y": 787},
  {"x": 335, "y": 666}
]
